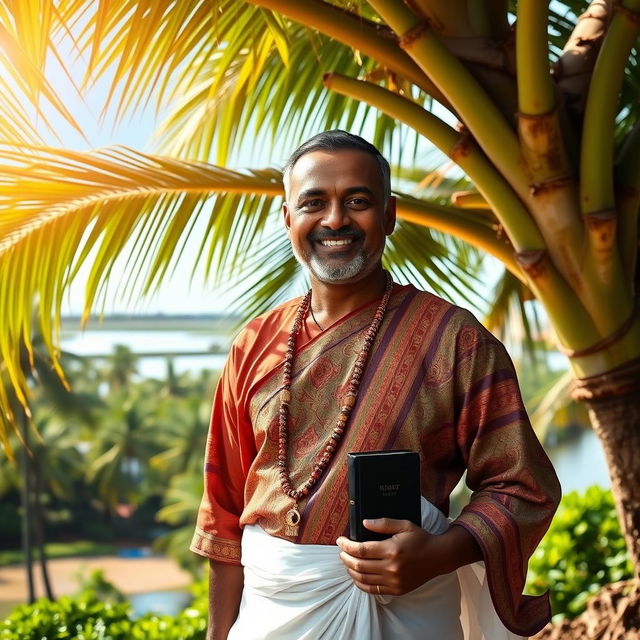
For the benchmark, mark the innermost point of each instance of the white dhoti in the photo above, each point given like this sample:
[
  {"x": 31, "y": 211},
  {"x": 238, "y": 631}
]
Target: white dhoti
[{"x": 294, "y": 592}]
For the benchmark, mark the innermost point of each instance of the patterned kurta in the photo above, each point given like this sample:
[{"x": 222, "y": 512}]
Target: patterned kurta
[{"x": 436, "y": 382}]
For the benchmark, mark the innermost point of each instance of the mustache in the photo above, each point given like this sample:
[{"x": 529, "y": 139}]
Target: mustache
[{"x": 329, "y": 234}]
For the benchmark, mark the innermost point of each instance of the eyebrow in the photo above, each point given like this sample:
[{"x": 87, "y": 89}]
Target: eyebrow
[{"x": 309, "y": 193}]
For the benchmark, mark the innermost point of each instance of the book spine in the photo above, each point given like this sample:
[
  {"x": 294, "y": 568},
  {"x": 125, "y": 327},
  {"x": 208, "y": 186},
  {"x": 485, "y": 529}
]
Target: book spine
[{"x": 355, "y": 522}]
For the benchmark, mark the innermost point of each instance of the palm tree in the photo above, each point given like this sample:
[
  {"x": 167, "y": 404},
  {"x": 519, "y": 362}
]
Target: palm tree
[
  {"x": 50, "y": 463},
  {"x": 184, "y": 435},
  {"x": 121, "y": 448},
  {"x": 120, "y": 366},
  {"x": 180, "y": 508},
  {"x": 547, "y": 141}
]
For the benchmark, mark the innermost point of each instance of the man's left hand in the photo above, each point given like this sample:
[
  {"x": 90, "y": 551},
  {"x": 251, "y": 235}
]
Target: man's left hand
[{"x": 407, "y": 559}]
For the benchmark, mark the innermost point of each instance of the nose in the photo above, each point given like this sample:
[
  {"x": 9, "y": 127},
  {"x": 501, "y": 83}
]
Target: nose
[{"x": 336, "y": 216}]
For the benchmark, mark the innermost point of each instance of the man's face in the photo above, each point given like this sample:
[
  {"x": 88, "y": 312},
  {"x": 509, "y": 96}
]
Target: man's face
[{"x": 336, "y": 215}]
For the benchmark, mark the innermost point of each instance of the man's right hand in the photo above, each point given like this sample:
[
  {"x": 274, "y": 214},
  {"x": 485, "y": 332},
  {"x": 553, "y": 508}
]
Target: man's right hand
[{"x": 406, "y": 560}]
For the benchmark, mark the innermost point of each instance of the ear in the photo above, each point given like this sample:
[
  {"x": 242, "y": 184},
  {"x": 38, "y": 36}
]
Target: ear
[
  {"x": 286, "y": 216},
  {"x": 390, "y": 216}
]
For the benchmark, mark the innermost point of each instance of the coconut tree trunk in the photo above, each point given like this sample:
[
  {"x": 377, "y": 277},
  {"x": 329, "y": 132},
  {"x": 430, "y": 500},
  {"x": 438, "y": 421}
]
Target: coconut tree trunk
[
  {"x": 27, "y": 510},
  {"x": 38, "y": 513},
  {"x": 613, "y": 401}
]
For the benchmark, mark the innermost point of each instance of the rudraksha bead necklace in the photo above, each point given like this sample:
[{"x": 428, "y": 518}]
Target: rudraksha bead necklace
[{"x": 292, "y": 518}]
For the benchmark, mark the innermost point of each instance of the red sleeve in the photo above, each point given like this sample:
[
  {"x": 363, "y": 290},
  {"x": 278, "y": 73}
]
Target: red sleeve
[
  {"x": 515, "y": 489},
  {"x": 227, "y": 459}
]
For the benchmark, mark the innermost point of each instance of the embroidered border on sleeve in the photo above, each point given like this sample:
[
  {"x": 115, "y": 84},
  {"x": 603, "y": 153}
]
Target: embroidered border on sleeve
[{"x": 214, "y": 547}]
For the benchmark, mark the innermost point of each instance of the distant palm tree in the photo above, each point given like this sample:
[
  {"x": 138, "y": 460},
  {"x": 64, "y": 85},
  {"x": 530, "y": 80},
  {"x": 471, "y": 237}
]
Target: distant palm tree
[
  {"x": 120, "y": 367},
  {"x": 121, "y": 447},
  {"x": 50, "y": 463},
  {"x": 547, "y": 140},
  {"x": 184, "y": 436},
  {"x": 180, "y": 508}
]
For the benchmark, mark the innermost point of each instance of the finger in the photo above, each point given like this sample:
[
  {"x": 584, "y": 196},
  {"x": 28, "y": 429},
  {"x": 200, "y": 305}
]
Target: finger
[
  {"x": 388, "y": 525},
  {"x": 370, "y": 549},
  {"x": 374, "y": 567},
  {"x": 376, "y": 589},
  {"x": 366, "y": 578}
]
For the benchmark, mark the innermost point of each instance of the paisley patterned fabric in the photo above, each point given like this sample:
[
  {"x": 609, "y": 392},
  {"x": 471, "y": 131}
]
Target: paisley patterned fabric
[{"x": 436, "y": 382}]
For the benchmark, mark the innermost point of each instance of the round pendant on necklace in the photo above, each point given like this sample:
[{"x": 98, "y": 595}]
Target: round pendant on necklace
[{"x": 292, "y": 520}]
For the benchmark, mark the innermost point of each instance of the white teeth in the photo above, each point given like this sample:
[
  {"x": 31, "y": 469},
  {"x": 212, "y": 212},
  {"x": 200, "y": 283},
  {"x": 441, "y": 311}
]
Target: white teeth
[{"x": 336, "y": 243}]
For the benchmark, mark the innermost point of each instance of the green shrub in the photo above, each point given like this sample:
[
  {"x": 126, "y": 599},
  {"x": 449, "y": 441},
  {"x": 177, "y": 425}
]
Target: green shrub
[
  {"x": 97, "y": 584},
  {"x": 583, "y": 550},
  {"x": 86, "y": 617},
  {"x": 200, "y": 591}
]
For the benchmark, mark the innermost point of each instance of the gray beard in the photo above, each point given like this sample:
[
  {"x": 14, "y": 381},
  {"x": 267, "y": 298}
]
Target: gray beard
[{"x": 360, "y": 265}]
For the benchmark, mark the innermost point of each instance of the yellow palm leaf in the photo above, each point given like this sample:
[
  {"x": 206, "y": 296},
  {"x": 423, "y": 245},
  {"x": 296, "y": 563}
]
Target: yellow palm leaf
[
  {"x": 100, "y": 202},
  {"x": 26, "y": 40}
]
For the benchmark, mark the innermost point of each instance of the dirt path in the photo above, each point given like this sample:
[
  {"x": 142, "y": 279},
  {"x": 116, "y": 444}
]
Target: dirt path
[{"x": 130, "y": 575}]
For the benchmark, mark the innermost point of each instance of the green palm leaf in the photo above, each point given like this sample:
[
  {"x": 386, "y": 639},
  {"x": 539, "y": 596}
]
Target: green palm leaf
[
  {"x": 552, "y": 406},
  {"x": 508, "y": 308},
  {"x": 218, "y": 105},
  {"x": 101, "y": 204},
  {"x": 228, "y": 71}
]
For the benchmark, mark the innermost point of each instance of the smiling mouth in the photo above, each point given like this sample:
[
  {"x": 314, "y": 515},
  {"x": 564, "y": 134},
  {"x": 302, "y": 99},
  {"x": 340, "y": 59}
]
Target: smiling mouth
[{"x": 336, "y": 243}]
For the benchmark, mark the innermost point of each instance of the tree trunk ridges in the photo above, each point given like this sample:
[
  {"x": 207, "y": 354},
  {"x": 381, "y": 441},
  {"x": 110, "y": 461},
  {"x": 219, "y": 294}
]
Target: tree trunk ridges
[
  {"x": 612, "y": 614},
  {"x": 621, "y": 381},
  {"x": 613, "y": 401},
  {"x": 573, "y": 69}
]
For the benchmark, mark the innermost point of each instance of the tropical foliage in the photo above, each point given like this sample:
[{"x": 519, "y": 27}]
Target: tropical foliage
[
  {"x": 90, "y": 616},
  {"x": 540, "y": 118},
  {"x": 128, "y": 465},
  {"x": 583, "y": 550}
]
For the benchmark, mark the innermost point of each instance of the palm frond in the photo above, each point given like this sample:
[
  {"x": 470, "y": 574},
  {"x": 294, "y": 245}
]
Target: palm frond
[
  {"x": 552, "y": 406},
  {"x": 26, "y": 41},
  {"x": 229, "y": 71},
  {"x": 150, "y": 43},
  {"x": 106, "y": 204},
  {"x": 435, "y": 262},
  {"x": 511, "y": 319},
  {"x": 282, "y": 100}
]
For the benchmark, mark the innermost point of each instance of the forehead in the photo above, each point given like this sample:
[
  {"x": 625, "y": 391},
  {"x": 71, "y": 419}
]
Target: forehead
[{"x": 335, "y": 171}]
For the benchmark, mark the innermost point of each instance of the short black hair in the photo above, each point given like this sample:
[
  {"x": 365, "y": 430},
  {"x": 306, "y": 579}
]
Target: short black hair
[{"x": 335, "y": 140}]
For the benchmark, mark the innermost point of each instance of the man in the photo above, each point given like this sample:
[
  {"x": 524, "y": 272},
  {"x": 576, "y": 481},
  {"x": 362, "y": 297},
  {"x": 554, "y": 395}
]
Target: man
[{"x": 362, "y": 364}]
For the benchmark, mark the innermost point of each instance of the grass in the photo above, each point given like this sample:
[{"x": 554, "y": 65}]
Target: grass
[{"x": 79, "y": 548}]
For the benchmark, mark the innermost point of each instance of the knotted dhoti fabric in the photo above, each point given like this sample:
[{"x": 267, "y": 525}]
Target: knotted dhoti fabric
[{"x": 295, "y": 592}]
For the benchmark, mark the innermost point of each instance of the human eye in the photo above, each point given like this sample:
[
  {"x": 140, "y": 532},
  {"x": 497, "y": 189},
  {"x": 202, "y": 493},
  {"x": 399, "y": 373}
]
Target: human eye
[
  {"x": 358, "y": 203},
  {"x": 312, "y": 204}
]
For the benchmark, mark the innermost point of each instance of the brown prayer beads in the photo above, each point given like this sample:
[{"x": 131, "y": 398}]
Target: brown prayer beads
[{"x": 346, "y": 405}]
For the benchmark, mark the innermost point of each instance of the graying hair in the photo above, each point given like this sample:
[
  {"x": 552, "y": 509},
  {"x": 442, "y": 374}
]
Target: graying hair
[{"x": 335, "y": 140}]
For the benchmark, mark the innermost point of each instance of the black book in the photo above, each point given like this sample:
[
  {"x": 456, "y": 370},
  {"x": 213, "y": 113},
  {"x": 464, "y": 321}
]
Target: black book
[{"x": 382, "y": 484}]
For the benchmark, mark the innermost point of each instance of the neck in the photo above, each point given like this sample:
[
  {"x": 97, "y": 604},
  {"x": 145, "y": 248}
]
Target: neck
[{"x": 331, "y": 301}]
